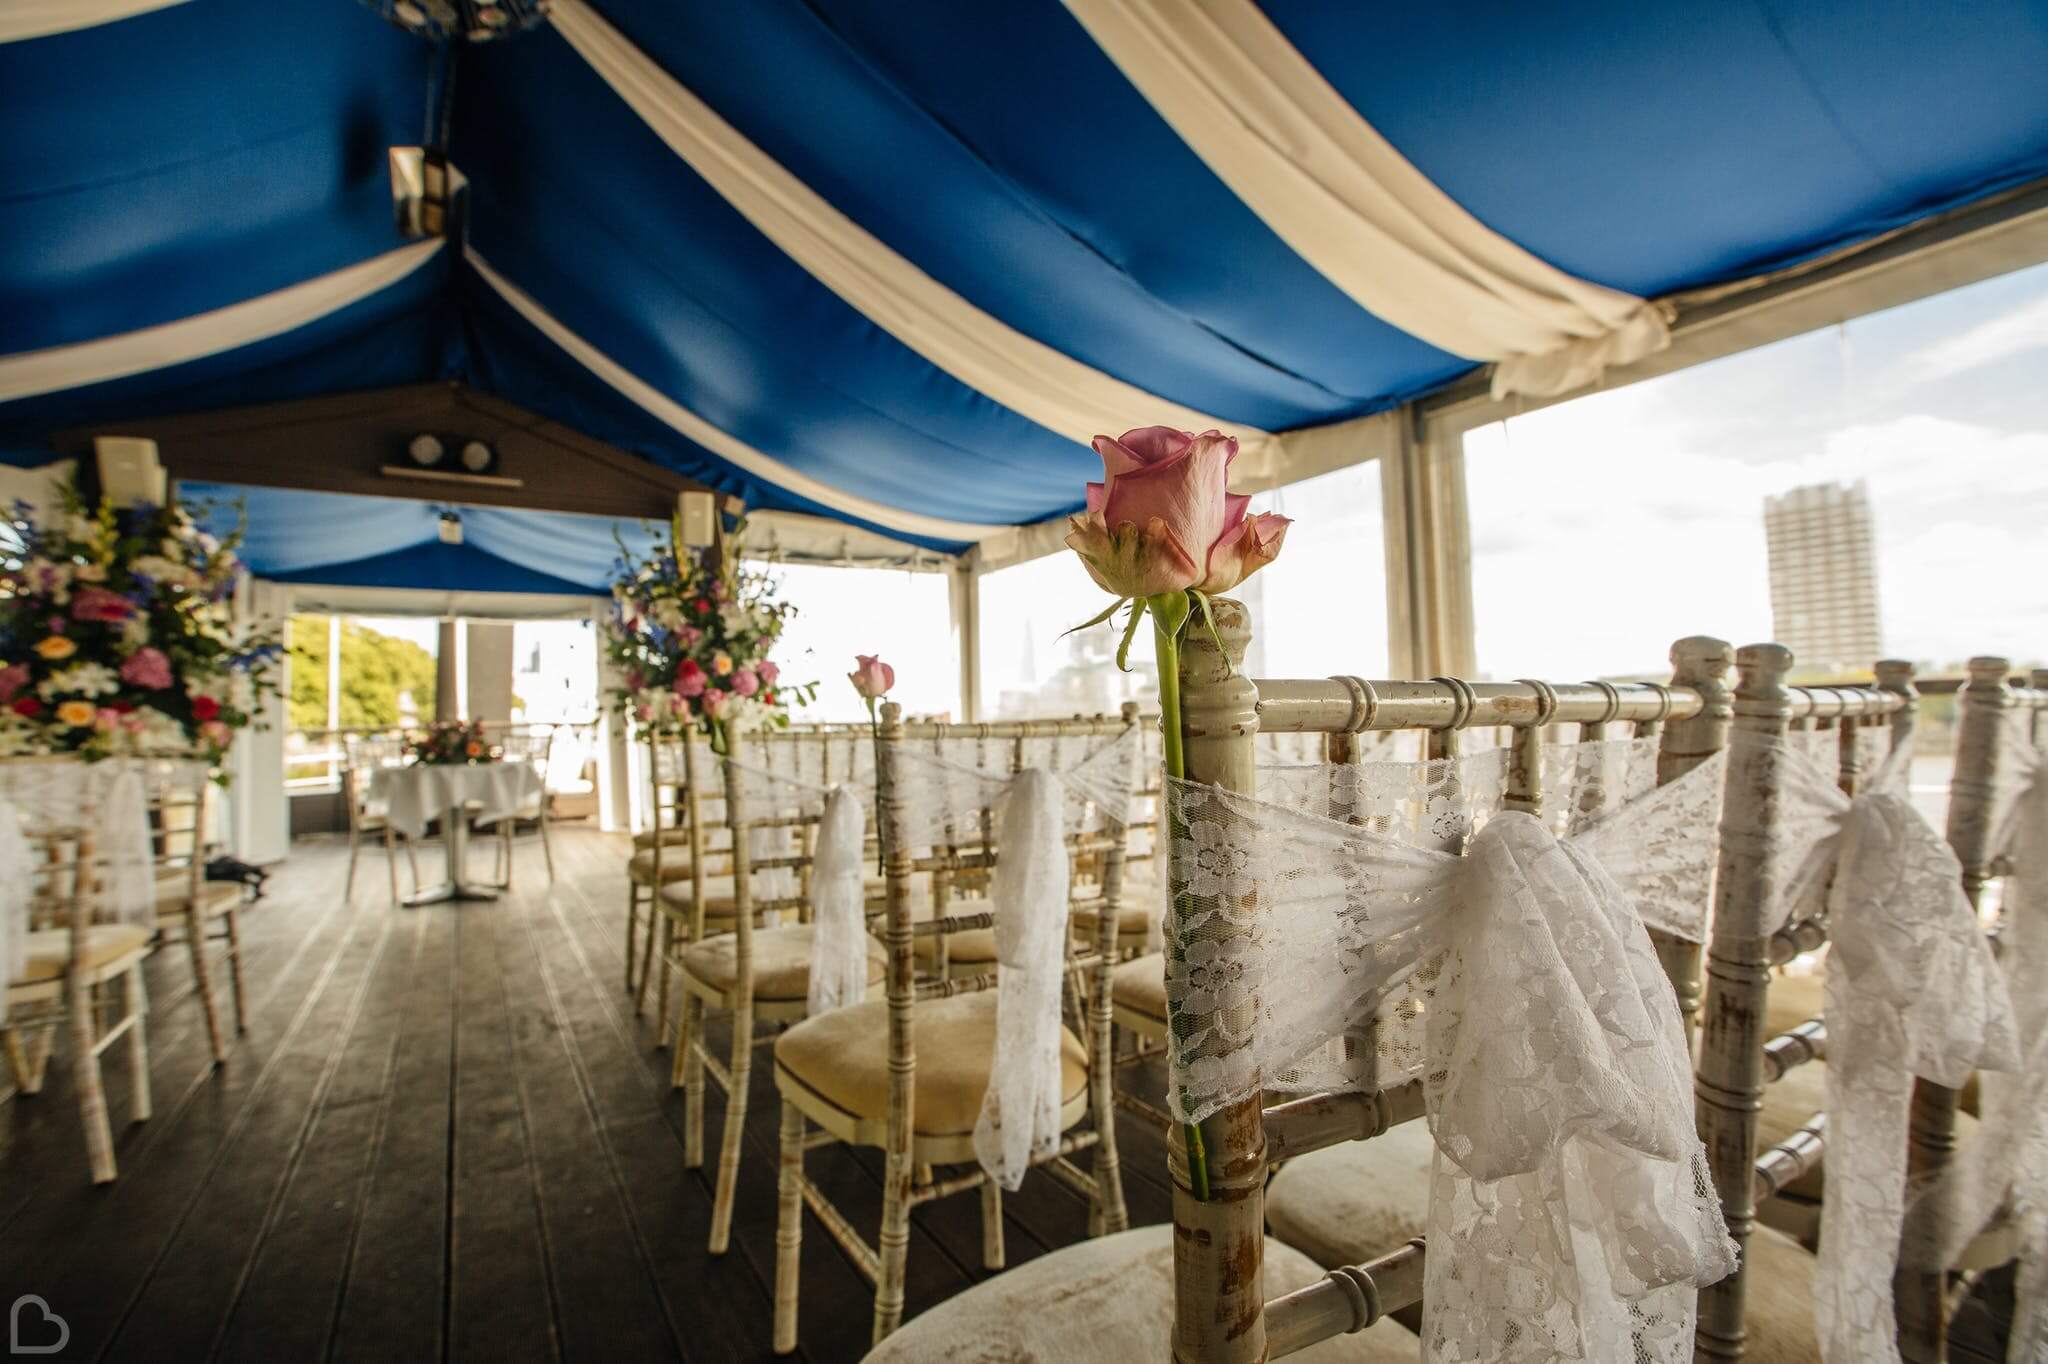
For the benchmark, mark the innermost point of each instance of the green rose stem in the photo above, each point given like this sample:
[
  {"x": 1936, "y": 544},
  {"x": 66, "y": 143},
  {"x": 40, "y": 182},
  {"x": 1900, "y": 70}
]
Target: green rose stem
[{"x": 1169, "y": 617}]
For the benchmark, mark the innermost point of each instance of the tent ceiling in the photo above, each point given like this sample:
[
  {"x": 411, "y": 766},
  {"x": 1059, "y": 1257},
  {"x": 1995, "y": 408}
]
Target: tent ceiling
[{"x": 202, "y": 155}]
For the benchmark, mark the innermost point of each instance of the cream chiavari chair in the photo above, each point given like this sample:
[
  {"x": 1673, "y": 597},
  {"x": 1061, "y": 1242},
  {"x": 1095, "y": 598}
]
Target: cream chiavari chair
[
  {"x": 755, "y": 974},
  {"x": 367, "y": 815},
  {"x": 1213, "y": 1285},
  {"x": 1765, "y": 1311},
  {"x": 532, "y": 745},
  {"x": 191, "y": 909},
  {"x": 675, "y": 848},
  {"x": 67, "y": 961},
  {"x": 907, "y": 1073}
]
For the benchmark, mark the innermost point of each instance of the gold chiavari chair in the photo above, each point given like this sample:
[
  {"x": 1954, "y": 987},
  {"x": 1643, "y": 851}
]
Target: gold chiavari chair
[
  {"x": 908, "y": 1073},
  {"x": 672, "y": 850},
  {"x": 533, "y": 745},
  {"x": 67, "y": 960},
  {"x": 191, "y": 909},
  {"x": 368, "y": 816},
  {"x": 755, "y": 974}
]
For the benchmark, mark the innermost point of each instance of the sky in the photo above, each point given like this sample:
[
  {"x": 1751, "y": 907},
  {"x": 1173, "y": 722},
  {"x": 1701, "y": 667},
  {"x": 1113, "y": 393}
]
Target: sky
[{"x": 1604, "y": 527}]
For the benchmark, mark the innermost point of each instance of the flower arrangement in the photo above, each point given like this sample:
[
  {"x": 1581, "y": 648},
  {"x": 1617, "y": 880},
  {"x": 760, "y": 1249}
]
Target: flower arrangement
[
  {"x": 1162, "y": 532},
  {"x": 691, "y": 631},
  {"x": 452, "y": 742},
  {"x": 117, "y": 636}
]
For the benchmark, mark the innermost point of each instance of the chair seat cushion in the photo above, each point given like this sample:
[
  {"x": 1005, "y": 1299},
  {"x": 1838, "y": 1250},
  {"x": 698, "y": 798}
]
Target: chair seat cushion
[
  {"x": 1132, "y": 921},
  {"x": 1140, "y": 986},
  {"x": 46, "y": 952},
  {"x": 1347, "y": 1203},
  {"x": 675, "y": 866},
  {"x": 1778, "y": 1300},
  {"x": 174, "y": 899},
  {"x": 843, "y": 1058},
  {"x": 976, "y": 946},
  {"x": 781, "y": 962},
  {"x": 718, "y": 902},
  {"x": 1107, "y": 1300}
]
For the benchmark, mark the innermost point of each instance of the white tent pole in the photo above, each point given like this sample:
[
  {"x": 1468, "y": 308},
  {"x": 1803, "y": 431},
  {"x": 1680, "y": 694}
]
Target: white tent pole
[{"x": 965, "y": 599}]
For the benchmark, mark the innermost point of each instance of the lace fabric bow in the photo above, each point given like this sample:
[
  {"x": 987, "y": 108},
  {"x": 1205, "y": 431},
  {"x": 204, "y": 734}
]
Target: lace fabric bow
[
  {"x": 1571, "y": 1211},
  {"x": 839, "y": 950},
  {"x": 2004, "y": 1171},
  {"x": 1031, "y": 810},
  {"x": 1912, "y": 990},
  {"x": 110, "y": 799}
]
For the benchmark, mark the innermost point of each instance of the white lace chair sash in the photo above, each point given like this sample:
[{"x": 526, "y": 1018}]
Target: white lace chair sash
[
  {"x": 109, "y": 798},
  {"x": 1912, "y": 990},
  {"x": 839, "y": 953},
  {"x": 1571, "y": 1214}
]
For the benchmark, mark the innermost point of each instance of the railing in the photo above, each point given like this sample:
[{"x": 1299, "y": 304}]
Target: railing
[{"x": 314, "y": 758}]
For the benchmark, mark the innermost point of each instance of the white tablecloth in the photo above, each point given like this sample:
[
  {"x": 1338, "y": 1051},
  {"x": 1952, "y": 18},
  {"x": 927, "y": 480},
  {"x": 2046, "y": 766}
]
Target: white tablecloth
[{"x": 415, "y": 795}]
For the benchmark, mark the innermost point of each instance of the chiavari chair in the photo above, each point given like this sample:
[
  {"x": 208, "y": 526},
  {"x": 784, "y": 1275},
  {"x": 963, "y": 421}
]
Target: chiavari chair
[
  {"x": 367, "y": 815},
  {"x": 532, "y": 745},
  {"x": 675, "y": 848},
  {"x": 755, "y": 974},
  {"x": 191, "y": 909},
  {"x": 907, "y": 1073},
  {"x": 68, "y": 959}
]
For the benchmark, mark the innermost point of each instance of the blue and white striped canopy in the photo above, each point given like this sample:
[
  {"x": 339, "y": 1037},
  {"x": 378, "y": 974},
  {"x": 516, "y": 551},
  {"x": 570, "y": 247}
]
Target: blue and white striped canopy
[{"x": 194, "y": 163}]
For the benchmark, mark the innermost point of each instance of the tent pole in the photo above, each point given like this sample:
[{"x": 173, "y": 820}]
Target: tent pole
[{"x": 965, "y": 596}]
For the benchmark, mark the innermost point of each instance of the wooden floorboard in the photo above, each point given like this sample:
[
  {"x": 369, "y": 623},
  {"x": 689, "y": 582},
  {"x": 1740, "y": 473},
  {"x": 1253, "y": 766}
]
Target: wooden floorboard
[{"x": 447, "y": 1136}]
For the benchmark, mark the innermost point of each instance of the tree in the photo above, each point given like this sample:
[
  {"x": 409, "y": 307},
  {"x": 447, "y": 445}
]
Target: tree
[{"x": 385, "y": 681}]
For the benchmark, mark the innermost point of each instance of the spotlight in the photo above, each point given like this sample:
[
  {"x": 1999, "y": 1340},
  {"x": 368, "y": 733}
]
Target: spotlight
[
  {"x": 478, "y": 457},
  {"x": 426, "y": 450}
]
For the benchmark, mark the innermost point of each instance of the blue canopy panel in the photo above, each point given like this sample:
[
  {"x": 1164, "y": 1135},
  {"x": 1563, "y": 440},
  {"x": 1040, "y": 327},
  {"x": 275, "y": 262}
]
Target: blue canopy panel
[
  {"x": 194, "y": 157},
  {"x": 674, "y": 284},
  {"x": 1660, "y": 146},
  {"x": 351, "y": 541},
  {"x": 998, "y": 148}
]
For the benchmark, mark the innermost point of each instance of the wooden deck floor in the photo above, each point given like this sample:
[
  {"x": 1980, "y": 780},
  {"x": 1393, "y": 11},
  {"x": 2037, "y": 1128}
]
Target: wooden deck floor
[{"x": 445, "y": 1136}]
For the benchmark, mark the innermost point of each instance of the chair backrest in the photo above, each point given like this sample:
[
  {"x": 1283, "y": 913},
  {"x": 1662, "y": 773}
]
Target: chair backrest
[
  {"x": 363, "y": 755},
  {"x": 969, "y": 844},
  {"x": 1221, "y": 1313}
]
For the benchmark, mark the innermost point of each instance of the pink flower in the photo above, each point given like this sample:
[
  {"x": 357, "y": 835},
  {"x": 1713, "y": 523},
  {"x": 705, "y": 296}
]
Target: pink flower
[
  {"x": 689, "y": 634},
  {"x": 768, "y": 672},
  {"x": 97, "y": 603},
  {"x": 635, "y": 680},
  {"x": 217, "y": 733},
  {"x": 13, "y": 678},
  {"x": 643, "y": 712},
  {"x": 205, "y": 708},
  {"x": 871, "y": 677},
  {"x": 745, "y": 683},
  {"x": 689, "y": 678},
  {"x": 679, "y": 704},
  {"x": 1163, "y": 519},
  {"x": 146, "y": 668},
  {"x": 714, "y": 702}
]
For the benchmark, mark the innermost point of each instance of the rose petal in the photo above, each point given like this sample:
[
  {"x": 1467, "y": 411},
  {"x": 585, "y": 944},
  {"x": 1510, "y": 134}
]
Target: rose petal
[
  {"x": 1188, "y": 494},
  {"x": 1156, "y": 444},
  {"x": 1256, "y": 544},
  {"x": 1131, "y": 561}
]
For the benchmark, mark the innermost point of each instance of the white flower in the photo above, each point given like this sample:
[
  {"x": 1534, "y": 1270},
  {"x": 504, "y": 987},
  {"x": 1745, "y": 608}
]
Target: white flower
[
  {"x": 135, "y": 632},
  {"x": 80, "y": 679}
]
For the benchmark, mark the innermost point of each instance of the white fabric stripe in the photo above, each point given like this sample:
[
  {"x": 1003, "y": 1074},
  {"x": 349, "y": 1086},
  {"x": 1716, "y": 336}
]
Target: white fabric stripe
[
  {"x": 1025, "y": 375},
  {"x": 21, "y": 19},
  {"x": 1299, "y": 156},
  {"x": 674, "y": 414},
  {"x": 191, "y": 338}
]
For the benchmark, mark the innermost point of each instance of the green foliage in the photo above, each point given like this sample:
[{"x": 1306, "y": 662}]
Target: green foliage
[{"x": 376, "y": 671}]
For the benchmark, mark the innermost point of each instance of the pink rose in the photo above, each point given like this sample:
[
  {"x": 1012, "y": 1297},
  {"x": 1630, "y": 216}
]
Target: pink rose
[
  {"x": 689, "y": 634},
  {"x": 871, "y": 677},
  {"x": 714, "y": 702},
  {"x": 13, "y": 678},
  {"x": 643, "y": 712},
  {"x": 745, "y": 683},
  {"x": 146, "y": 668},
  {"x": 768, "y": 672},
  {"x": 1164, "y": 520},
  {"x": 217, "y": 733},
  {"x": 689, "y": 678},
  {"x": 97, "y": 603}
]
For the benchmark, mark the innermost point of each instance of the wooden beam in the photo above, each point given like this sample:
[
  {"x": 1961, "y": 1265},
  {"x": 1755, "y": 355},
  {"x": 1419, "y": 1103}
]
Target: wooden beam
[{"x": 340, "y": 444}]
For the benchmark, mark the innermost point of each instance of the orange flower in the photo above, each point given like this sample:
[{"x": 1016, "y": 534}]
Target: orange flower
[{"x": 56, "y": 648}]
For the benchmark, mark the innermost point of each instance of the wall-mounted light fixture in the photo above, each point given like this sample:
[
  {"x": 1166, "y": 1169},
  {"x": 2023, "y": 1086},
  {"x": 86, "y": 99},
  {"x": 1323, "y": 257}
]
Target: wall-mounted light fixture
[{"x": 451, "y": 528}]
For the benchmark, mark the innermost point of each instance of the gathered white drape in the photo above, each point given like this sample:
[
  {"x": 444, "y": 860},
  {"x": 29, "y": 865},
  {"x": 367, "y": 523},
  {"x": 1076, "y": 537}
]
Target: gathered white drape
[
  {"x": 1022, "y": 373},
  {"x": 1272, "y": 128},
  {"x": 2004, "y": 1171},
  {"x": 1334, "y": 938},
  {"x": 27, "y": 373},
  {"x": 839, "y": 950},
  {"x": 1064, "y": 784}
]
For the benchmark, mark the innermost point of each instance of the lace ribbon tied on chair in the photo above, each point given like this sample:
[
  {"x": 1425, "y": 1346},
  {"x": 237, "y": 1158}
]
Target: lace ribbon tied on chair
[
  {"x": 1572, "y": 1215},
  {"x": 839, "y": 953},
  {"x": 110, "y": 799},
  {"x": 2004, "y": 1172},
  {"x": 1066, "y": 785},
  {"x": 1912, "y": 990}
]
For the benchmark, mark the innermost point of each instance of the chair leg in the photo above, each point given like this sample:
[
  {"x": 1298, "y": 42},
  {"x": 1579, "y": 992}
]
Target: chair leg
[
  {"x": 547, "y": 849},
  {"x": 735, "y": 1120},
  {"x": 412, "y": 859},
  {"x": 355, "y": 841},
  {"x": 391, "y": 864},
  {"x": 632, "y": 928},
  {"x": 789, "y": 1227},
  {"x": 234, "y": 925},
  {"x": 991, "y": 1225},
  {"x": 894, "y": 1244},
  {"x": 680, "y": 1043},
  {"x": 668, "y": 948},
  {"x": 30, "y": 1059},
  {"x": 646, "y": 957},
  {"x": 195, "y": 938},
  {"x": 92, "y": 1097},
  {"x": 692, "y": 1059},
  {"x": 138, "y": 1039}
]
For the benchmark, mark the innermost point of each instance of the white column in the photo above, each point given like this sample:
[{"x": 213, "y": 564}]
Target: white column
[
  {"x": 1428, "y": 553},
  {"x": 259, "y": 812},
  {"x": 964, "y": 581},
  {"x": 616, "y": 786}
]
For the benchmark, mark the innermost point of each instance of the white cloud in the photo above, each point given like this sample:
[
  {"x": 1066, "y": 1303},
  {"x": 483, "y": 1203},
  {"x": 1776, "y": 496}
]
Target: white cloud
[{"x": 2023, "y": 329}]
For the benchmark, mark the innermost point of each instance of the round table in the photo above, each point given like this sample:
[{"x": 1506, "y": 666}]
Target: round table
[{"x": 416, "y": 794}]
